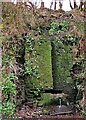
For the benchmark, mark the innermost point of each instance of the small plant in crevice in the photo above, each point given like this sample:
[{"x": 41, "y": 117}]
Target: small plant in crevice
[
  {"x": 29, "y": 43},
  {"x": 9, "y": 100},
  {"x": 31, "y": 70},
  {"x": 37, "y": 92},
  {"x": 71, "y": 39},
  {"x": 28, "y": 68},
  {"x": 54, "y": 28},
  {"x": 36, "y": 72}
]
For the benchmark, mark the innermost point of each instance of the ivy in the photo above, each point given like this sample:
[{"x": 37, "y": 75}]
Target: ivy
[
  {"x": 72, "y": 39},
  {"x": 30, "y": 68},
  {"x": 54, "y": 27},
  {"x": 9, "y": 91},
  {"x": 8, "y": 108}
]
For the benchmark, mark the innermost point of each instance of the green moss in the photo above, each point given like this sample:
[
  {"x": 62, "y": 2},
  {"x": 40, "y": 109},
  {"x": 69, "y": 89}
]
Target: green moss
[
  {"x": 45, "y": 65},
  {"x": 45, "y": 111},
  {"x": 46, "y": 99},
  {"x": 62, "y": 64}
]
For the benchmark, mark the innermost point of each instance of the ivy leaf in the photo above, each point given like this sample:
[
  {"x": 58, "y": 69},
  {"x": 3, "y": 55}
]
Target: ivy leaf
[{"x": 72, "y": 39}]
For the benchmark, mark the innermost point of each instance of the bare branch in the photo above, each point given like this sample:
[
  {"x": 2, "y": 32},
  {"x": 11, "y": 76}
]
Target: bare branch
[{"x": 70, "y": 4}]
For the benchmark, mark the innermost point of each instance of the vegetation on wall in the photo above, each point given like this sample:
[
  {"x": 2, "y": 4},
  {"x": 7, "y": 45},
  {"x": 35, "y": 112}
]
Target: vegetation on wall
[
  {"x": 40, "y": 56},
  {"x": 9, "y": 92}
]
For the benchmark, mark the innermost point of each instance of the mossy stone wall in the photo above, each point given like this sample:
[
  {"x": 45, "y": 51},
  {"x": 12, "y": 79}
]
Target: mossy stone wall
[{"x": 45, "y": 64}]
